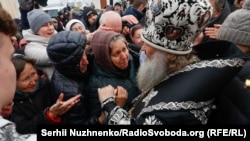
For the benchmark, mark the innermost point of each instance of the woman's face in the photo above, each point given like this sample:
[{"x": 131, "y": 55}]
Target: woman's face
[
  {"x": 28, "y": 79},
  {"x": 47, "y": 30},
  {"x": 136, "y": 38},
  {"x": 55, "y": 23},
  {"x": 84, "y": 63},
  {"x": 119, "y": 54},
  {"x": 241, "y": 3},
  {"x": 79, "y": 28}
]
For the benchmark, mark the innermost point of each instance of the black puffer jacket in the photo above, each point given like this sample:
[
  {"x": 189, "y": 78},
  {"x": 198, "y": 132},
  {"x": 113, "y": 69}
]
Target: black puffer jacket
[{"x": 65, "y": 50}]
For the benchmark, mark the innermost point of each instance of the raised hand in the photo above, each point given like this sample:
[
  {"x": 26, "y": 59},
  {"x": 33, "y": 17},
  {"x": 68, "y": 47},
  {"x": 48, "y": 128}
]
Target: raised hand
[{"x": 61, "y": 107}]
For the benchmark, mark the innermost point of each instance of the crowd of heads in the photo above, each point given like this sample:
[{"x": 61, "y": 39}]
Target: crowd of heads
[{"x": 165, "y": 30}]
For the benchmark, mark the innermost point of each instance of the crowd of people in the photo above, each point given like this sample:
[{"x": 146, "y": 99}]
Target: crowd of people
[{"x": 160, "y": 62}]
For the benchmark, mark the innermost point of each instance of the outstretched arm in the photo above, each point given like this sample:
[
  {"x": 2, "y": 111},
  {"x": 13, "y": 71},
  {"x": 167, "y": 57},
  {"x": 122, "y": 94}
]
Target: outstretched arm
[{"x": 61, "y": 107}]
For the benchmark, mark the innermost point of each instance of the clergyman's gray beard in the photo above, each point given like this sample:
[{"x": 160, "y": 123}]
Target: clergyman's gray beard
[{"x": 152, "y": 71}]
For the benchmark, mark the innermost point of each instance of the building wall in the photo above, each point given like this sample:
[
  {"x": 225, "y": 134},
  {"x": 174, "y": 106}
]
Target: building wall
[{"x": 12, "y": 6}]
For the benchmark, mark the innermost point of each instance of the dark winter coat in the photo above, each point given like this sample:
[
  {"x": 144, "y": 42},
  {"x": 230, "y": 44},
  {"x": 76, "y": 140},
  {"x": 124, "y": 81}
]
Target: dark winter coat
[
  {"x": 29, "y": 109},
  {"x": 138, "y": 15},
  {"x": 233, "y": 104},
  {"x": 101, "y": 77},
  {"x": 65, "y": 51}
]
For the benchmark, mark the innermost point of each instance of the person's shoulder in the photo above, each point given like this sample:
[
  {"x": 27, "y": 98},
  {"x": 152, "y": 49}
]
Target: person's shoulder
[{"x": 27, "y": 33}]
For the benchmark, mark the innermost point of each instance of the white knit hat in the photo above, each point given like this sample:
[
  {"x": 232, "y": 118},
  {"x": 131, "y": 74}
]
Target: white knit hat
[
  {"x": 71, "y": 22},
  {"x": 236, "y": 27}
]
